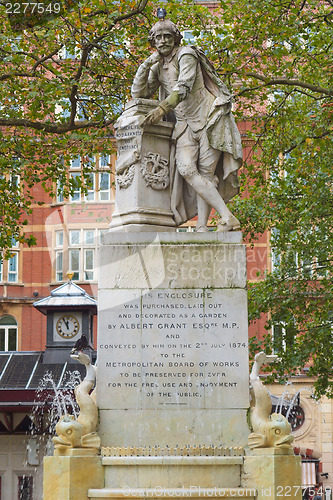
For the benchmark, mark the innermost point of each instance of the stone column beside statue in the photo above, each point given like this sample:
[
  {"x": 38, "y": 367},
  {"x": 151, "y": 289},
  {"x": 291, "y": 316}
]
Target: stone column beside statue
[{"x": 142, "y": 171}]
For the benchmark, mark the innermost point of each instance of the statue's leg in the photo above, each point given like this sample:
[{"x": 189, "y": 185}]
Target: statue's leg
[
  {"x": 208, "y": 158},
  {"x": 187, "y": 159},
  {"x": 204, "y": 210}
]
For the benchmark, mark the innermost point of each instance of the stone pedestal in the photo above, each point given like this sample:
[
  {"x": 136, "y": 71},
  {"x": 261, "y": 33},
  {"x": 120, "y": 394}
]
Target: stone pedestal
[
  {"x": 172, "y": 477},
  {"x": 173, "y": 340},
  {"x": 142, "y": 171},
  {"x": 172, "y": 378},
  {"x": 69, "y": 476},
  {"x": 275, "y": 473}
]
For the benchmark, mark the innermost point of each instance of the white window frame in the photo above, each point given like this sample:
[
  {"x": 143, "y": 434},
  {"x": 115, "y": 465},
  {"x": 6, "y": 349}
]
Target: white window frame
[
  {"x": 7, "y": 328},
  {"x": 14, "y": 259},
  {"x": 90, "y": 194},
  {"x": 283, "y": 333},
  {"x": 319, "y": 270},
  {"x": 5, "y": 265},
  {"x": 71, "y": 241},
  {"x": 282, "y": 325},
  {"x": 94, "y": 192},
  {"x": 59, "y": 265},
  {"x": 72, "y": 252},
  {"x": 189, "y": 40},
  {"x": 75, "y": 197},
  {"x": 102, "y": 163},
  {"x": 15, "y": 179},
  {"x": 185, "y": 229},
  {"x": 75, "y": 163},
  {"x": 105, "y": 193},
  {"x": 12, "y": 273},
  {"x": 59, "y": 255},
  {"x": 101, "y": 233},
  {"x": 66, "y": 54},
  {"x": 60, "y": 193},
  {"x": 80, "y": 250},
  {"x": 88, "y": 272}
]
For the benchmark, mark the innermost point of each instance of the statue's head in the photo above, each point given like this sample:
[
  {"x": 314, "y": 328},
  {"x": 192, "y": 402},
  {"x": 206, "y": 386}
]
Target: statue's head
[{"x": 164, "y": 26}]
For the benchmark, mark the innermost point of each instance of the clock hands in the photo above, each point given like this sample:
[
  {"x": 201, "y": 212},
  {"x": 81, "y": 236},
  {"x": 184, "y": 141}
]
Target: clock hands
[{"x": 67, "y": 326}]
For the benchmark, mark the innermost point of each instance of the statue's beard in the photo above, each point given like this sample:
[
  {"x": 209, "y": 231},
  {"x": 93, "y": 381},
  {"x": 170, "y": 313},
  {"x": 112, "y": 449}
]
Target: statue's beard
[{"x": 165, "y": 50}]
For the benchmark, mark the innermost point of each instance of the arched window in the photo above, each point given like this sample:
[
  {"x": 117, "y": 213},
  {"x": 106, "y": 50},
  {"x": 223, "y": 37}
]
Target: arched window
[{"x": 8, "y": 333}]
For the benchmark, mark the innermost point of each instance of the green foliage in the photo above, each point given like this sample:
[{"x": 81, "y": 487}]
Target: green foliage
[
  {"x": 63, "y": 83},
  {"x": 281, "y": 60},
  {"x": 276, "y": 56}
]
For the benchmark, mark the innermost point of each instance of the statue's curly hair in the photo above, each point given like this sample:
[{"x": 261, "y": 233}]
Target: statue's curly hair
[{"x": 168, "y": 25}]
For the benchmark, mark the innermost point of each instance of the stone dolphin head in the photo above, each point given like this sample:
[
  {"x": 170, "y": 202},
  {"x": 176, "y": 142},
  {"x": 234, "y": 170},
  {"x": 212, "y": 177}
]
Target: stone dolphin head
[
  {"x": 275, "y": 432},
  {"x": 69, "y": 432}
]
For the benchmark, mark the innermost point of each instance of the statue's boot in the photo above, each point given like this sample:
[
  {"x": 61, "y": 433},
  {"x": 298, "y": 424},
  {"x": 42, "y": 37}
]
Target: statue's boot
[{"x": 231, "y": 224}]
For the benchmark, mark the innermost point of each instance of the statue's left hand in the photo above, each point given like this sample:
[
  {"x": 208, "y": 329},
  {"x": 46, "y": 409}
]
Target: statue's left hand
[{"x": 153, "y": 117}]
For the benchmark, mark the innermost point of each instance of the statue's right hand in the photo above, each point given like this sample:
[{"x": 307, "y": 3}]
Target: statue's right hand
[{"x": 154, "y": 58}]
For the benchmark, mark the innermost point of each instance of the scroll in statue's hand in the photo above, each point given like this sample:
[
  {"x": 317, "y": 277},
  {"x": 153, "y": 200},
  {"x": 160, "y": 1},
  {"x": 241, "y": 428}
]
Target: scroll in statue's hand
[{"x": 153, "y": 117}]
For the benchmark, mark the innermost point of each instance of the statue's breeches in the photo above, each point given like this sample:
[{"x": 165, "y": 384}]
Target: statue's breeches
[{"x": 194, "y": 154}]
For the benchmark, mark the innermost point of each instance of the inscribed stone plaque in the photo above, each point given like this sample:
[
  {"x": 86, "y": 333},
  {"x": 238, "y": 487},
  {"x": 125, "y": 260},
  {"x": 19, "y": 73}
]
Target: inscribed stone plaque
[
  {"x": 172, "y": 340},
  {"x": 181, "y": 349}
]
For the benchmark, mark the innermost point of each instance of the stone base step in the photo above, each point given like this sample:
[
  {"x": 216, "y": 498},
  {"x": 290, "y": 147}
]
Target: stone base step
[
  {"x": 165, "y": 493},
  {"x": 165, "y": 471}
]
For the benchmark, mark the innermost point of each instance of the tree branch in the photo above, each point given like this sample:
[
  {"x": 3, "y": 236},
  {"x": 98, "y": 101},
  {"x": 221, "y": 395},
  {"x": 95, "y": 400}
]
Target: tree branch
[
  {"x": 286, "y": 81},
  {"x": 51, "y": 127},
  {"x": 324, "y": 134},
  {"x": 38, "y": 62},
  {"x": 45, "y": 58},
  {"x": 8, "y": 76}
]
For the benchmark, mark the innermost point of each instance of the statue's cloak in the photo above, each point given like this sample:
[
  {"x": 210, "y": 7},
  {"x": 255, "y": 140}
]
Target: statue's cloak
[{"x": 223, "y": 135}]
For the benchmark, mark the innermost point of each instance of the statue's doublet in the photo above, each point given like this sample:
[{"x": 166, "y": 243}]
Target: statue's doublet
[{"x": 181, "y": 71}]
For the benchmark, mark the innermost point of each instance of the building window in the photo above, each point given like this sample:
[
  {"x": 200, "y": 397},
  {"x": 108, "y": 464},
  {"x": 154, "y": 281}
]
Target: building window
[
  {"x": 8, "y": 333},
  {"x": 25, "y": 487},
  {"x": 76, "y": 194},
  {"x": 188, "y": 37},
  {"x": 60, "y": 193},
  {"x": 59, "y": 255},
  {"x": 71, "y": 51},
  {"x": 104, "y": 161},
  {"x": 13, "y": 268},
  {"x": 82, "y": 249},
  {"x": 88, "y": 265},
  {"x": 77, "y": 251},
  {"x": 282, "y": 336},
  {"x": 185, "y": 229},
  {"x": 90, "y": 185},
  {"x": 97, "y": 182},
  {"x": 15, "y": 180},
  {"x": 75, "y": 163},
  {"x": 104, "y": 186},
  {"x": 101, "y": 233},
  {"x": 9, "y": 268}
]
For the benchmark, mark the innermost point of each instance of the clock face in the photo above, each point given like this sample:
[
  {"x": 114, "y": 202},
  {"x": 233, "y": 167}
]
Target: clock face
[{"x": 67, "y": 326}]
